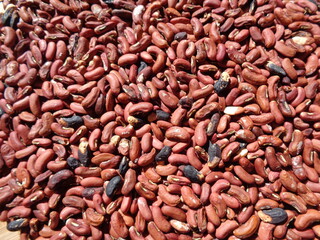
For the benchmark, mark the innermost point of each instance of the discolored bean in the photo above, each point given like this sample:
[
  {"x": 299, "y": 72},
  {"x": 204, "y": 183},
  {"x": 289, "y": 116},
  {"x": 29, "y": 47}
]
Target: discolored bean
[
  {"x": 113, "y": 186},
  {"x": 274, "y": 216}
]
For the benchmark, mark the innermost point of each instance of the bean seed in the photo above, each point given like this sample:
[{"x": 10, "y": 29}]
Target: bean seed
[{"x": 274, "y": 216}]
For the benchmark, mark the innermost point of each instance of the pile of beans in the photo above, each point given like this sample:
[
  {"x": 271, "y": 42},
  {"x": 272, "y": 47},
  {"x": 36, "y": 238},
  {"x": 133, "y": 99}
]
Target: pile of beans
[{"x": 166, "y": 119}]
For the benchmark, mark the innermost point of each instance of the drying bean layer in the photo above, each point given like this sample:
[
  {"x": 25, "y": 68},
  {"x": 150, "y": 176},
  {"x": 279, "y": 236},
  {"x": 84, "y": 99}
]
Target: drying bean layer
[{"x": 154, "y": 120}]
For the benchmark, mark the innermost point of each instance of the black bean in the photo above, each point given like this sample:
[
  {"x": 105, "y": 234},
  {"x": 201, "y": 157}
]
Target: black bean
[
  {"x": 222, "y": 84},
  {"x": 193, "y": 174},
  {"x": 1, "y": 112},
  {"x": 161, "y": 115},
  {"x": 14, "y": 20},
  {"x": 213, "y": 124},
  {"x": 180, "y": 36},
  {"x": 6, "y": 17},
  {"x": 17, "y": 224},
  {"x": 113, "y": 186},
  {"x": 136, "y": 122},
  {"x": 275, "y": 69},
  {"x": 84, "y": 153},
  {"x": 73, "y": 163},
  {"x": 214, "y": 152},
  {"x": 124, "y": 165},
  {"x": 142, "y": 66},
  {"x": 163, "y": 154},
  {"x": 274, "y": 216},
  {"x": 252, "y": 6},
  {"x": 71, "y": 122},
  {"x": 186, "y": 102}
]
